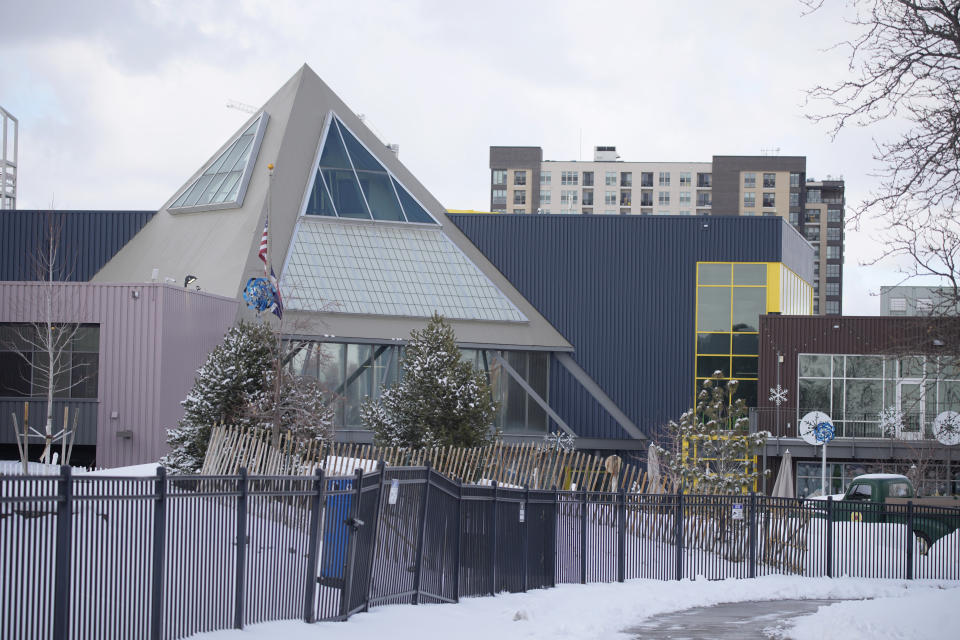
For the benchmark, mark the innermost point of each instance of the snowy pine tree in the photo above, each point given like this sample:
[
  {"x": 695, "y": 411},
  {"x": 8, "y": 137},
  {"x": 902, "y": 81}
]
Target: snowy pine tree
[
  {"x": 234, "y": 370},
  {"x": 713, "y": 447},
  {"x": 441, "y": 399}
]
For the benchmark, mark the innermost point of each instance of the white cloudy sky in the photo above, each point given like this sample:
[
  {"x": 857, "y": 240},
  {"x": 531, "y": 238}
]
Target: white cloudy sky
[{"x": 119, "y": 102}]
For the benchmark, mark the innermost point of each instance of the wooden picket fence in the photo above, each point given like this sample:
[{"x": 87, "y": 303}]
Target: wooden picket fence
[{"x": 532, "y": 464}]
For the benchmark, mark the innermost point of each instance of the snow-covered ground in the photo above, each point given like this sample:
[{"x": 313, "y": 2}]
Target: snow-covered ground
[{"x": 920, "y": 609}]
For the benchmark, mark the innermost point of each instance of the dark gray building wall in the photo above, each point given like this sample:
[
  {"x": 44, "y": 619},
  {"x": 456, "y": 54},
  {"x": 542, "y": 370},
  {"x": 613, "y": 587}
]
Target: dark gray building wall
[
  {"x": 726, "y": 177},
  {"x": 87, "y": 240},
  {"x": 621, "y": 289}
]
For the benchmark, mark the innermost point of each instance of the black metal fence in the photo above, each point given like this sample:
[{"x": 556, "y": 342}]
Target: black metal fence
[{"x": 168, "y": 557}]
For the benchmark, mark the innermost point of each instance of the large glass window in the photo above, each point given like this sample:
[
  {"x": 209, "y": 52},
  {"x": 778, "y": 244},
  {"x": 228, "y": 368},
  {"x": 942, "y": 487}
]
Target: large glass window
[
  {"x": 224, "y": 182},
  {"x": 354, "y": 373},
  {"x": 351, "y": 183},
  {"x": 24, "y": 361},
  {"x": 500, "y": 176},
  {"x": 854, "y": 389}
]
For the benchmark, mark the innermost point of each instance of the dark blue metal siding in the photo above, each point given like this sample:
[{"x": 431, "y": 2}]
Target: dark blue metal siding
[
  {"x": 621, "y": 289},
  {"x": 578, "y": 408},
  {"x": 88, "y": 239}
]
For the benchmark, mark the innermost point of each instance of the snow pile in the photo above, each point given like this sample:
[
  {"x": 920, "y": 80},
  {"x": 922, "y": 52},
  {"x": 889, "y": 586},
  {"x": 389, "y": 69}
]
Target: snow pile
[
  {"x": 593, "y": 611},
  {"x": 918, "y": 614}
]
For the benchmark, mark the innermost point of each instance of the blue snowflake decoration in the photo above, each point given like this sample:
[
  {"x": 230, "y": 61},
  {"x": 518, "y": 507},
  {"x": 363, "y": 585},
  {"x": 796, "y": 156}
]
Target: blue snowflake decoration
[
  {"x": 823, "y": 432},
  {"x": 259, "y": 294}
]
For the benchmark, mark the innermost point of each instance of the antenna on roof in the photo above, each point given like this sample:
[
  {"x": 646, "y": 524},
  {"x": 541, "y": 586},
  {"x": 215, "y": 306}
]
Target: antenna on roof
[
  {"x": 770, "y": 151},
  {"x": 241, "y": 106}
]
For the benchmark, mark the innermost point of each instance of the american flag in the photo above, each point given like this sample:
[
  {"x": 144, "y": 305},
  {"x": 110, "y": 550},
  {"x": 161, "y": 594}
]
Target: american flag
[{"x": 263, "y": 244}]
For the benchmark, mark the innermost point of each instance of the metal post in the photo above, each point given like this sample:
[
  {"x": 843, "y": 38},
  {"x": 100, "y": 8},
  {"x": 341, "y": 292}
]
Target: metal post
[
  {"x": 829, "y": 558},
  {"x": 493, "y": 542},
  {"x": 313, "y": 555},
  {"x": 553, "y": 537},
  {"x": 622, "y": 534},
  {"x": 583, "y": 535},
  {"x": 678, "y": 535},
  {"x": 752, "y": 533},
  {"x": 381, "y": 468},
  {"x": 61, "y": 588},
  {"x": 526, "y": 536},
  {"x": 459, "y": 538},
  {"x": 346, "y": 596},
  {"x": 422, "y": 533},
  {"x": 241, "y": 568},
  {"x": 909, "y": 539},
  {"x": 159, "y": 554}
]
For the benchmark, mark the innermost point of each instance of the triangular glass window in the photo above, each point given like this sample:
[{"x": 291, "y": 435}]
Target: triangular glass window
[
  {"x": 415, "y": 213},
  {"x": 223, "y": 183},
  {"x": 357, "y": 184}
]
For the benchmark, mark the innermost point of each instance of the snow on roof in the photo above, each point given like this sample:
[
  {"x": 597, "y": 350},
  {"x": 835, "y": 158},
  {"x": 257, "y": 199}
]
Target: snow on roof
[{"x": 881, "y": 476}]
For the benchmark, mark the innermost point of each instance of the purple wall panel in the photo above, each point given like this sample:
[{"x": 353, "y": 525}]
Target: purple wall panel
[{"x": 151, "y": 344}]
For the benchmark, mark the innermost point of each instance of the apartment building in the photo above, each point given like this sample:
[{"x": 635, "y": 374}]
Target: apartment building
[{"x": 521, "y": 181}]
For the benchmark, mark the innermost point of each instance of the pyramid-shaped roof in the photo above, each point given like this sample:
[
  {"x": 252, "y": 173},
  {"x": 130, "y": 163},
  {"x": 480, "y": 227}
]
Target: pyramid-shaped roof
[{"x": 362, "y": 249}]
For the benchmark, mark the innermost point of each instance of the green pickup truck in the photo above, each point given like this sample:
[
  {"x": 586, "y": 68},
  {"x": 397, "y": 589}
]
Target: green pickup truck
[{"x": 867, "y": 497}]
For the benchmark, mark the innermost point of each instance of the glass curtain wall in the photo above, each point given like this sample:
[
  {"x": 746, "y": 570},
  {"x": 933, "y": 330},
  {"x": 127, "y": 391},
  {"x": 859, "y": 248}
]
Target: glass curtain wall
[
  {"x": 354, "y": 372},
  {"x": 854, "y": 389}
]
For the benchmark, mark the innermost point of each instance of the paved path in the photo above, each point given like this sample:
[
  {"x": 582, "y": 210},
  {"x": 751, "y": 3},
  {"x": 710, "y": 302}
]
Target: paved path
[{"x": 735, "y": 620}]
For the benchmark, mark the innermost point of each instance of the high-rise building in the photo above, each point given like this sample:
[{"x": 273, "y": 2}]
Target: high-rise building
[
  {"x": 9, "y": 132},
  {"x": 523, "y": 182}
]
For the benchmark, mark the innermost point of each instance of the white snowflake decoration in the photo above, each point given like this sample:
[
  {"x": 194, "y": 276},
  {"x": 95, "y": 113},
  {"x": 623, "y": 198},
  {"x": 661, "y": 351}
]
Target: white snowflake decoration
[
  {"x": 560, "y": 441},
  {"x": 778, "y": 395},
  {"x": 891, "y": 422}
]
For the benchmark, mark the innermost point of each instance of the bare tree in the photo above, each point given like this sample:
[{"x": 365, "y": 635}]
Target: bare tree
[
  {"x": 905, "y": 63},
  {"x": 46, "y": 344}
]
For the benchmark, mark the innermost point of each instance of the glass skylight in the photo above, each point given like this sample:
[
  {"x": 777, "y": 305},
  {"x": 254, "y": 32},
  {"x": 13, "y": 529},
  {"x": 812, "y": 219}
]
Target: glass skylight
[
  {"x": 390, "y": 270},
  {"x": 224, "y": 183},
  {"x": 351, "y": 183}
]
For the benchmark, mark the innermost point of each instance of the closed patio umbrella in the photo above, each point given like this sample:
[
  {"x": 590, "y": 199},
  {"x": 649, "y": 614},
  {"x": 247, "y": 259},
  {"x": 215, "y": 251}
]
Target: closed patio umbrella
[
  {"x": 653, "y": 471},
  {"x": 783, "y": 487}
]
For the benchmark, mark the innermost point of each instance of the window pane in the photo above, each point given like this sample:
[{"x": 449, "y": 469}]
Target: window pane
[
  {"x": 515, "y": 406},
  {"x": 713, "y": 343},
  {"x": 87, "y": 339},
  {"x": 415, "y": 213},
  {"x": 83, "y": 376},
  {"x": 17, "y": 337},
  {"x": 864, "y": 367},
  {"x": 911, "y": 367},
  {"x": 747, "y": 390},
  {"x": 707, "y": 365},
  {"x": 814, "y": 395},
  {"x": 14, "y": 375},
  {"x": 749, "y": 304},
  {"x": 319, "y": 204},
  {"x": 380, "y": 196},
  {"x": 713, "y": 309},
  {"x": 358, "y": 381},
  {"x": 814, "y": 366},
  {"x": 334, "y": 155},
  {"x": 537, "y": 378},
  {"x": 749, "y": 274},
  {"x": 345, "y": 193},
  {"x": 745, "y": 343},
  {"x": 864, "y": 400},
  {"x": 714, "y": 274},
  {"x": 745, "y": 367}
]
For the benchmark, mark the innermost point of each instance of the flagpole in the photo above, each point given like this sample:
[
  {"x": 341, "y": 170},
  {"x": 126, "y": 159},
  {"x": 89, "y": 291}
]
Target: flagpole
[{"x": 266, "y": 263}]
